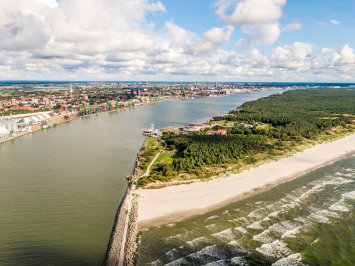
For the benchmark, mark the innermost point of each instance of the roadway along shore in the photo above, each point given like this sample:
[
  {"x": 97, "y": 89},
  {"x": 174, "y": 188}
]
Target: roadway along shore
[{"x": 172, "y": 203}]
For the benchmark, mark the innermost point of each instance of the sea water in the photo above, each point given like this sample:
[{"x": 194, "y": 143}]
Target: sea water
[{"x": 307, "y": 221}]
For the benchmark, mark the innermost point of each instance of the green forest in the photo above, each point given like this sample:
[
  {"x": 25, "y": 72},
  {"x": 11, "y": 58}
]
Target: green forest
[{"x": 258, "y": 130}]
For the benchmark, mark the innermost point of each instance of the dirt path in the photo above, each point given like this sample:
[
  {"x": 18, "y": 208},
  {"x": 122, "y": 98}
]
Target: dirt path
[{"x": 147, "y": 173}]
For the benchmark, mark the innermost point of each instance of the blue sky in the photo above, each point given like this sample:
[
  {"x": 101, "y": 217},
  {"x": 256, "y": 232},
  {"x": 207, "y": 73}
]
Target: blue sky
[
  {"x": 187, "y": 40},
  {"x": 199, "y": 16}
]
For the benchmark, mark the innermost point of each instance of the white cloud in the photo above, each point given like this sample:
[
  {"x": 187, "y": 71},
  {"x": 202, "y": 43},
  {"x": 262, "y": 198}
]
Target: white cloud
[
  {"x": 219, "y": 35},
  {"x": 257, "y": 18},
  {"x": 295, "y": 26},
  {"x": 178, "y": 35},
  {"x": 112, "y": 39},
  {"x": 295, "y": 56},
  {"x": 75, "y": 26},
  {"x": 239, "y": 44},
  {"x": 331, "y": 22},
  {"x": 334, "y": 22}
]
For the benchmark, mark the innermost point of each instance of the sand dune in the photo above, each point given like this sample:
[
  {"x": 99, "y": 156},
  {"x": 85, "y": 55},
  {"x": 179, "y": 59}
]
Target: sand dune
[{"x": 160, "y": 206}]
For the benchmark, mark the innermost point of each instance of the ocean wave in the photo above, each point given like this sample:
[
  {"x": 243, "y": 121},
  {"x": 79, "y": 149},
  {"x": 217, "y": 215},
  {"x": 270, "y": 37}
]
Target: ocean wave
[
  {"x": 171, "y": 254},
  {"x": 206, "y": 255},
  {"x": 256, "y": 225},
  {"x": 211, "y": 218},
  {"x": 274, "y": 250},
  {"x": 319, "y": 218},
  {"x": 197, "y": 242},
  {"x": 218, "y": 263},
  {"x": 241, "y": 261},
  {"x": 291, "y": 233},
  {"x": 157, "y": 262},
  {"x": 240, "y": 229},
  {"x": 180, "y": 261},
  {"x": 339, "y": 206},
  {"x": 292, "y": 260},
  {"x": 226, "y": 212},
  {"x": 259, "y": 213},
  {"x": 264, "y": 237},
  {"x": 212, "y": 227},
  {"x": 225, "y": 235},
  {"x": 349, "y": 195}
]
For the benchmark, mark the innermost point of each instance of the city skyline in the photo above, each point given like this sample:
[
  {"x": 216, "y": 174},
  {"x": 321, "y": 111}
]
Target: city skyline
[{"x": 224, "y": 40}]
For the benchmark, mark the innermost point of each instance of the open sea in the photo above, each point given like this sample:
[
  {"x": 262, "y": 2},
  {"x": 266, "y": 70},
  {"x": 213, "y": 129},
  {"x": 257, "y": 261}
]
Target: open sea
[{"x": 307, "y": 221}]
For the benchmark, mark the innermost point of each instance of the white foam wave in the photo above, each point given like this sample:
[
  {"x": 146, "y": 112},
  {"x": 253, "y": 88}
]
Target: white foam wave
[
  {"x": 292, "y": 260},
  {"x": 212, "y": 227},
  {"x": 180, "y": 261},
  {"x": 218, "y": 263},
  {"x": 239, "y": 245},
  {"x": 264, "y": 237},
  {"x": 339, "y": 206},
  {"x": 211, "y": 218},
  {"x": 274, "y": 214},
  {"x": 329, "y": 214},
  {"x": 300, "y": 219},
  {"x": 240, "y": 229},
  {"x": 226, "y": 212},
  {"x": 197, "y": 241},
  {"x": 171, "y": 254},
  {"x": 210, "y": 251},
  {"x": 257, "y": 214},
  {"x": 256, "y": 225},
  {"x": 239, "y": 261},
  {"x": 317, "y": 217},
  {"x": 349, "y": 195},
  {"x": 225, "y": 235},
  {"x": 266, "y": 219},
  {"x": 242, "y": 220},
  {"x": 276, "y": 249},
  {"x": 291, "y": 233}
]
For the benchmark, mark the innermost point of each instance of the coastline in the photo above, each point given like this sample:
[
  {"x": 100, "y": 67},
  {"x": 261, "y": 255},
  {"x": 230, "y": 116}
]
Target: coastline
[
  {"x": 61, "y": 119},
  {"x": 173, "y": 203}
]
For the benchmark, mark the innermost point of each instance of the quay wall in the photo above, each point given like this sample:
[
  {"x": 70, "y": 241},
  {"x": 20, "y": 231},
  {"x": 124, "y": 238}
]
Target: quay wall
[
  {"x": 38, "y": 126},
  {"x": 61, "y": 119}
]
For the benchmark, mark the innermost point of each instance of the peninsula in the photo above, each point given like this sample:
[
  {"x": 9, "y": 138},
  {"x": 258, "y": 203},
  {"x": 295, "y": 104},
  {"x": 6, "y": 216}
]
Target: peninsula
[{"x": 255, "y": 147}]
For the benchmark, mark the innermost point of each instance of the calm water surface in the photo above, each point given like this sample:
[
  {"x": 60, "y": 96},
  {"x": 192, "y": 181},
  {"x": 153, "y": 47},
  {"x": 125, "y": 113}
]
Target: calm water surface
[
  {"x": 308, "y": 221},
  {"x": 59, "y": 189}
]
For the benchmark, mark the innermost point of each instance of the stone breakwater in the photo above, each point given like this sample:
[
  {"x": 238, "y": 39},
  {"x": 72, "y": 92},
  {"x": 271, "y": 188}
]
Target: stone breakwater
[
  {"x": 115, "y": 244},
  {"x": 122, "y": 245},
  {"x": 132, "y": 233}
]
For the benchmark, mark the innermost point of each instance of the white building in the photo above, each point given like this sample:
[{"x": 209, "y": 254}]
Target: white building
[{"x": 3, "y": 132}]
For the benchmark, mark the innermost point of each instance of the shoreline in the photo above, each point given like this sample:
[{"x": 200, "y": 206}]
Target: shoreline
[
  {"x": 174, "y": 203},
  {"x": 61, "y": 119}
]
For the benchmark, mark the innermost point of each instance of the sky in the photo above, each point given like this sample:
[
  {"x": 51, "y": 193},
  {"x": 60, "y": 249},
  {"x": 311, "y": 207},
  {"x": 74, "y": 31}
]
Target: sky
[{"x": 178, "y": 40}]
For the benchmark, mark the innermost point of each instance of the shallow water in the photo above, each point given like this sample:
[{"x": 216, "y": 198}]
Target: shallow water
[
  {"x": 307, "y": 221},
  {"x": 60, "y": 188}
]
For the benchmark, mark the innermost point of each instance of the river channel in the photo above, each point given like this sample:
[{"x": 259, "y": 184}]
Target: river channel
[{"x": 60, "y": 188}]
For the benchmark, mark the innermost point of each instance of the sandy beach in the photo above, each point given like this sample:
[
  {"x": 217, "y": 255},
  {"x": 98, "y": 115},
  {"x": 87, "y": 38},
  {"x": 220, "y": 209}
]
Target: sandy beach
[{"x": 169, "y": 204}]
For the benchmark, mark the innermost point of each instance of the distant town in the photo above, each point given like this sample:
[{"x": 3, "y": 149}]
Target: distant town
[{"x": 29, "y": 107}]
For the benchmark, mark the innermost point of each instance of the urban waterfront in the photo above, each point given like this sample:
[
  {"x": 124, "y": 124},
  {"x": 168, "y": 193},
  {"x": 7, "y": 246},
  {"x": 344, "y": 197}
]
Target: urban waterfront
[
  {"x": 308, "y": 221},
  {"x": 60, "y": 188}
]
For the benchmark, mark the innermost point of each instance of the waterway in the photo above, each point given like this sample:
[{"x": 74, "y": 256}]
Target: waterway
[
  {"x": 60, "y": 188},
  {"x": 308, "y": 221}
]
